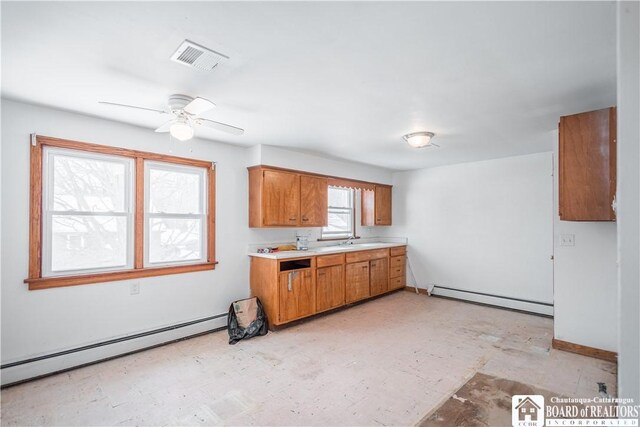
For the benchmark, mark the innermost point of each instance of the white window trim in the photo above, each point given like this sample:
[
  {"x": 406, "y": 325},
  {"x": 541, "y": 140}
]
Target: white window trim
[
  {"x": 338, "y": 235},
  {"x": 204, "y": 232},
  {"x": 48, "y": 212}
]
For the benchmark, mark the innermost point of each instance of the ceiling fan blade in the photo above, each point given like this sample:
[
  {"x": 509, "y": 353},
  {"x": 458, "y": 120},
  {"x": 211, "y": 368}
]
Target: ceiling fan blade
[
  {"x": 199, "y": 106},
  {"x": 133, "y": 106},
  {"x": 220, "y": 126},
  {"x": 165, "y": 127}
]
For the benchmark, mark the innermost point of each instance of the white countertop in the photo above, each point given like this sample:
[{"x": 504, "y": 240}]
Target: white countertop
[{"x": 327, "y": 250}]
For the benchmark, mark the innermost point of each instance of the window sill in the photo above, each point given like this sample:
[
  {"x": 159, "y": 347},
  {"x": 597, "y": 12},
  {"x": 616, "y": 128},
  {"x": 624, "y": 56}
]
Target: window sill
[
  {"x": 60, "y": 281},
  {"x": 331, "y": 239}
]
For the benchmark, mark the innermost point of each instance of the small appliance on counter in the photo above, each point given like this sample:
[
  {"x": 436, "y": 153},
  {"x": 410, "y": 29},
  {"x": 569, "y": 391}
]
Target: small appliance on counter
[{"x": 302, "y": 242}]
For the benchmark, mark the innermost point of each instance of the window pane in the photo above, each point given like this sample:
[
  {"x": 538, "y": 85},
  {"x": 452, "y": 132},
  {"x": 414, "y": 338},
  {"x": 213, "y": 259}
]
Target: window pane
[
  {"x": 340, "y": 197},
  {"x": 88, "y": 185},
  {"x": 174, "y": 239},
  {"x": 82, "y": 242},
  {"x": 338, "y": 223},
  {"x": 173, "y": 191}
]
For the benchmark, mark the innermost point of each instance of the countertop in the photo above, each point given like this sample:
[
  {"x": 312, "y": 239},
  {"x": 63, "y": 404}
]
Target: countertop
[{"x": 327, "y": 250}]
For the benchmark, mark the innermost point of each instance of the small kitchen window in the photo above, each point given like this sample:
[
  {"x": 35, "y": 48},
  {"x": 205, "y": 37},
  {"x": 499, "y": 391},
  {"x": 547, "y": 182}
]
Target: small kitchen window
[{"x": 341, "y": 219}]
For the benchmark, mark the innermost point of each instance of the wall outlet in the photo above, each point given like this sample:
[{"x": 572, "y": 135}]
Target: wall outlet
[
  {"x": 134, "y": 288},
  {"x": 567, "y": 240}
]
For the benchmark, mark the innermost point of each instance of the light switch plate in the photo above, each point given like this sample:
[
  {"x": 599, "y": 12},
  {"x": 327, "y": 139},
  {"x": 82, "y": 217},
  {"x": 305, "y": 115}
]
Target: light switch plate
[{"x": 567, "y": 240}]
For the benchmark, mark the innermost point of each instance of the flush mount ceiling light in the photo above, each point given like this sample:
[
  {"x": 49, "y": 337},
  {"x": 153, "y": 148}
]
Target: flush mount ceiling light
[
  {"x": 420, "y": 139},
  {"x": 181, "y": 129}
]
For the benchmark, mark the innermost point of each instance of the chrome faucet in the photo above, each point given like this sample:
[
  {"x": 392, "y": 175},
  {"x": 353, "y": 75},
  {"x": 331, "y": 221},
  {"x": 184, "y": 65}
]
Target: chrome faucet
[{"x": 349, "y": 241}]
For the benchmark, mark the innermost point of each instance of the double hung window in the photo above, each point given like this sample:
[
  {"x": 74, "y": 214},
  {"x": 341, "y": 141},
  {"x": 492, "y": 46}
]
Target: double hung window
[{"x": 100, "y": 213}]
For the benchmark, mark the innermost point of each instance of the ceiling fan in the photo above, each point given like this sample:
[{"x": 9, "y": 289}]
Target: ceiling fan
[{"x": 186, "y": 112}]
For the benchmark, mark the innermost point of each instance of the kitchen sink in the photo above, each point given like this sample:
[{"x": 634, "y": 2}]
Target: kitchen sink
[{"x": 354, "y": 247}]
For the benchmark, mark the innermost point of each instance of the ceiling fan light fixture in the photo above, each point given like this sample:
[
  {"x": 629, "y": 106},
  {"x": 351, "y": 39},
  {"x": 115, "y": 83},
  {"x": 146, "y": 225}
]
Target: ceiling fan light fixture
[
  {"x": 419, "y": 139},
  {"x": 181, "y": 130}
]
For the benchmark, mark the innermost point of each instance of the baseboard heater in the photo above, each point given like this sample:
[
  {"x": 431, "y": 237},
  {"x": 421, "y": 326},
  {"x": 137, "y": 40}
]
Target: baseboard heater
[
  {"x": 53, "y": 363},
  {"x": 537, "y": 307}
]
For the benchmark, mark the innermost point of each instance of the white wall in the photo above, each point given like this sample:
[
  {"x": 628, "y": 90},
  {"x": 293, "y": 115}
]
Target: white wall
[
  {"x": 585, "y": 279},
  {"x": 482, "y": 227},
  {"x": 628, "y": 199},
  {"x": 41, "y": 322}
]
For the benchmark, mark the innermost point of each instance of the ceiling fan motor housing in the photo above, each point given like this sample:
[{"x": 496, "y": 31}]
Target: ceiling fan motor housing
[{"x": 177, "y": 102}]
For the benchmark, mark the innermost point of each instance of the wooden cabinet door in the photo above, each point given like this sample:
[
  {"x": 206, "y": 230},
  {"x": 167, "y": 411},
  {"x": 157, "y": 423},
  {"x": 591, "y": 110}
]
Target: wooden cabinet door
[
  {"x": 281, "y": 198},
  {"x": 368, "y": 214},
  {"x": 313, "y": 201},
  {"x": 297, "y": 294},
  {"x": 357, "y": 281},
  {"x": 329, "y": 287},
  {"x": 383, "y": 205},
  {"x": 379, "y": 276},
  {"x": 587, "y": 166}
]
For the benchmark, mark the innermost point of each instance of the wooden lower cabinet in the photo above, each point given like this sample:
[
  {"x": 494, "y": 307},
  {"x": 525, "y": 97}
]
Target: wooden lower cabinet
[
  {"x": 329, "y": 287},
  {"x": 294, "y": 288},
  {"x": 379, "y": 276},
  {"x": 357, "y": 281},
  {"x": 297, "y": 294},
  {"x": 397, "y": 269}
]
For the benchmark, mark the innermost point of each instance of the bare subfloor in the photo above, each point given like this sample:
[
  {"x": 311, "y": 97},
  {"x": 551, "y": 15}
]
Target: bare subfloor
[{"x": 390, "y": 361}]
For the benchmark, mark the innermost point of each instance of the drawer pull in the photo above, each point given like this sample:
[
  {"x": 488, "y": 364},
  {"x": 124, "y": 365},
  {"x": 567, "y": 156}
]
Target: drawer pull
[
  {"x": 292, "y": 219},
  {"x": 305, "y": 219}
]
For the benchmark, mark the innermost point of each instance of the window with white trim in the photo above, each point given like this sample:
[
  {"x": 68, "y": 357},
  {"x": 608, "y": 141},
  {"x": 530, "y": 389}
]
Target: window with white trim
[
  {"x": 175, "y": 214},
  {"x": 87, "y": 212},
  {"x": 341, "y": 220}
]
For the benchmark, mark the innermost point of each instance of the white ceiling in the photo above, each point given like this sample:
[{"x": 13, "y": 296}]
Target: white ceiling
[{"x": 342, "y": 79}]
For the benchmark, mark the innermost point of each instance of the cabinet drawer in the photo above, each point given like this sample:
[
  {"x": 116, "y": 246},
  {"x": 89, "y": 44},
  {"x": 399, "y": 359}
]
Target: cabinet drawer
[
  {"x": 397, "y": 261},
  {"x": 397, "y": 282},
  {"x": 397, "y": 271},
  {"x": 327, "y": 260},
  {"x": 399, "y": 250},
  {"x": 367, "y": 255}
]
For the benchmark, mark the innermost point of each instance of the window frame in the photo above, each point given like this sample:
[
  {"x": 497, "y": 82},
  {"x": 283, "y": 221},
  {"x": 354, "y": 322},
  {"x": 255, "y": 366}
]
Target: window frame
[
  {"x": 148, "y": 215},
  {"x": 36, "y": 280},
  {"x": 48, "y": 212},
  {"x": 324, "y": 235}
]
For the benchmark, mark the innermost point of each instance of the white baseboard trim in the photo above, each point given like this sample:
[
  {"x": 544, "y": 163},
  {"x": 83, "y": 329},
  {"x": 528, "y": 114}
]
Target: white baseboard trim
[
  {"x": 511, "y": 303},
  {"x": 36, "y": 367}
]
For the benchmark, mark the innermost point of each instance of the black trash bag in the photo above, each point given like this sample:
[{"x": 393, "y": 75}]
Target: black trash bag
[{"x": 246, "y": 319}]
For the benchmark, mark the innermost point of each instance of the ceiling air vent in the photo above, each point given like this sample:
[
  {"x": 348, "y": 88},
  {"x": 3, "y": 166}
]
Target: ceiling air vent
[{"x": 195, "y": 56}]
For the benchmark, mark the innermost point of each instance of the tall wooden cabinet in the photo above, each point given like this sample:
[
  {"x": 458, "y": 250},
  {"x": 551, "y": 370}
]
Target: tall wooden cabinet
[
  {"x": 280, "y": 198},
  {"x": 376, "y": 206},
  {"x": 587, "y": 166}
]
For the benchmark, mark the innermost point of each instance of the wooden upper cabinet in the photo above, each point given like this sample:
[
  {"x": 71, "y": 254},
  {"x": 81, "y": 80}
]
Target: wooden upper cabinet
[
  {"x": 587, "y": 166},
  {"x": 313, "y": 201},
  {"x": 376, "y": 206},
  {"x": 281, "y": 198}
]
